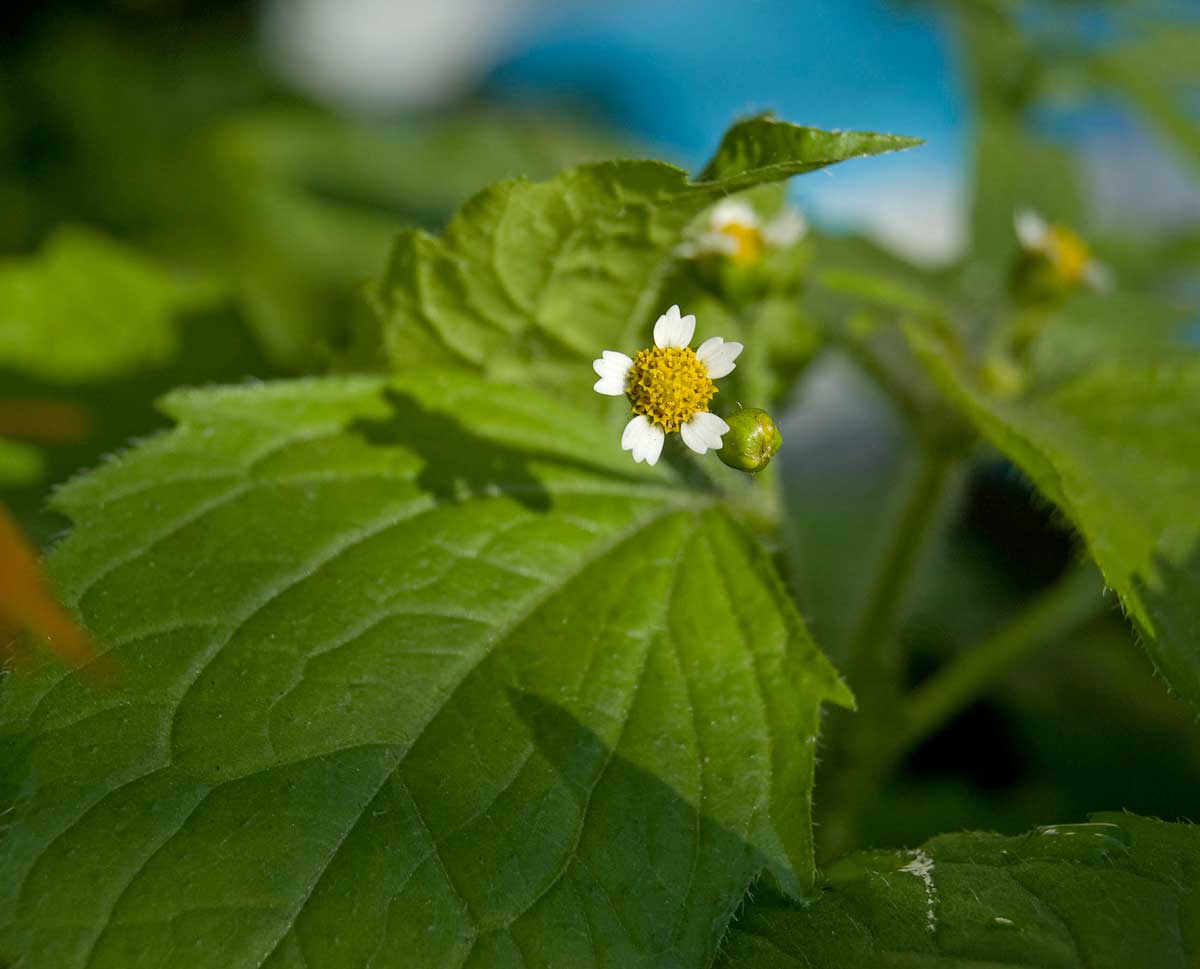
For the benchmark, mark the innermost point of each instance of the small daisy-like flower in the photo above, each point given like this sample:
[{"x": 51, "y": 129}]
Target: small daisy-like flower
[
  {"x": 669, "y": 386},
  {"x": 736, "y": 231},
  {"x": 1062, "y": 249}
]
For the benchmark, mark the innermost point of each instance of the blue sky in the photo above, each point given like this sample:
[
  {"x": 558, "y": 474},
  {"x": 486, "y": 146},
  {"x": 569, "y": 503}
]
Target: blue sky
[{"x": 676, "y": 73}]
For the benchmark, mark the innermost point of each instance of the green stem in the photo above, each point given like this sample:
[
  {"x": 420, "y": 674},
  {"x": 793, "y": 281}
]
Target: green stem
[
  {"x": 874, "y": 662},
  {"x": 870, "y": 647},
  {"x": 1066, "y": 605}
]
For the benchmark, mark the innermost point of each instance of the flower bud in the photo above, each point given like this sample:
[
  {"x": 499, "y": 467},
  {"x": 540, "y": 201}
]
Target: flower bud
[{"x": 751, "y": 441}]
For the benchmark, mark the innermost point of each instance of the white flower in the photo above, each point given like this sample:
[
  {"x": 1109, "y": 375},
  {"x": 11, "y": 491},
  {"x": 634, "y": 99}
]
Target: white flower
[
  {"x": 736, "y": 232},
  {"x": 669, "y": 386},
  {"x": 1033, "y": 232},
  {"x": 1098, "y": 276},
  {"x": 786, "y": 229},
  {"x": 732, "y": 211},
  {"x": 1066, "y": 253}
]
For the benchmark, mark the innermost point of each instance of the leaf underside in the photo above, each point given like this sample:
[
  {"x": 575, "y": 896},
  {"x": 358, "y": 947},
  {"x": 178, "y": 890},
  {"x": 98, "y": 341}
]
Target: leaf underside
[{"x": 1117, "y": 448}]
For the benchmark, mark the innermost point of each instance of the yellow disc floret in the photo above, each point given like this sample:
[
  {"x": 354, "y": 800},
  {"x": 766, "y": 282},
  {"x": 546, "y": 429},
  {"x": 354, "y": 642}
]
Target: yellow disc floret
[
  {"x": 669, "y": 386},
  {"x": 748, "y": 243},
  {"x": 1069, "y": 254}
]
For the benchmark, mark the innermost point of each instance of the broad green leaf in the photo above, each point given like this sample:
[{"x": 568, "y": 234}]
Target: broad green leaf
[
  {"x": 87, "y": 308},
  {"x": 1125, "y": 325},
  {"x": 1117, "y": 448},
  {"x": 752, "y": 148},
  {"x": 538, "y": 278},
  {"x": 403, "y": 673},
  {"x": 1114, "y": 893},
  {"x": 97, "y": 328}
]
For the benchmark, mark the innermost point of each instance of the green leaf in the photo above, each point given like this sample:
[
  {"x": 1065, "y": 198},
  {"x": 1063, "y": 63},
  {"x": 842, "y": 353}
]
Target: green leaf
[
  {"x": 87, "y": 308},
  {"x": 307, "y": 204},
  {"x": 406, "y": 672},
  {"x": 1091, "y": 328},
  {"x": 1117, "y": 447},
  {"x": 1117, "y": 892},
  {"x": 752, "y": 148},
  {"x": 93, "y": 325},
  {"x": 538, "y": 278}
]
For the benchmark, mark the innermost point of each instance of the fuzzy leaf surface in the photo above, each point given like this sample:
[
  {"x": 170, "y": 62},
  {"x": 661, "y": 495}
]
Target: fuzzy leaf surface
[
  {"x": 1116, "y": 892},
  {"x": 1116, "y": 446},
  {"x": 535, "y": 278},
  {"x": 403, "y": 673}
]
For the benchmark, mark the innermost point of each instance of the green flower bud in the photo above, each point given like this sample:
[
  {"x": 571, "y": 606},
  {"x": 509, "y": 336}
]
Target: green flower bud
[{"x": 751, "y": 441}]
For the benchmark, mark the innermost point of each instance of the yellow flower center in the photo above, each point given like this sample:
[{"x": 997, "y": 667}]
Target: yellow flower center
[
  {"x": 669, "y": 386},
  {"x": 1070, "y": 254},
  {"x": 749, "y": 242}
]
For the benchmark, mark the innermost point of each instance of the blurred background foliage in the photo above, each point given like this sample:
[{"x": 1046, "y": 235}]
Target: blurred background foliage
[{"x": 196, "y": 193}]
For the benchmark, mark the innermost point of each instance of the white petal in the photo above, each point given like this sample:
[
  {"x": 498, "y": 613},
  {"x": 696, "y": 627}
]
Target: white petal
[
  {"x": 673, "y": 330},
  {"x": 687, "y": 329},
  {"x": 703, "y": 432},
  {"x": 718, "y": 356},
  {"x": 612, "y": 368},
  {"x": 786, "y": 228},
  {"x": 1098, "y": 276},
  {"x": 612, "y": 363},
  {"x": 610, "y": 386},
  {"x": 644, "y": 439},
  {"x": 720, "y": 242},
  {"x": 1033, "y": 232},
  {"x": 653, "y": 445},
  {"x": 665, "y": 326},
  {"x": 711, "y": 426},
  {"x": 691, "y": 437},
  {"x": 733, "y": 212},
  {"x": 632, "y": 430}
]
